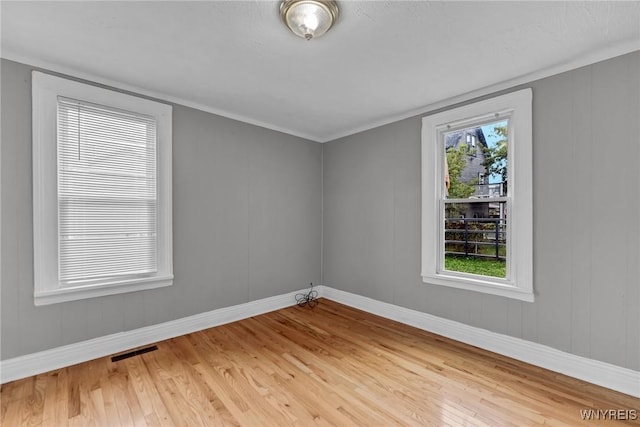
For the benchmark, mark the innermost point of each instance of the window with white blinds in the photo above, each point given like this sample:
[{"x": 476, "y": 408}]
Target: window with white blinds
[
  {"x": 101, "y": 191},
  {"x": 107, "y": 205}
]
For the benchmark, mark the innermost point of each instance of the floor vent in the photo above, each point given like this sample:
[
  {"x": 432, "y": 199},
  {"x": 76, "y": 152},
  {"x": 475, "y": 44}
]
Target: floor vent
[{"x": 134, "y": 353}]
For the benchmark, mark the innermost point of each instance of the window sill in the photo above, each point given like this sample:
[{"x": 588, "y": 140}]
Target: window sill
[
  {"x": 479, "y": 285},
  {"x": 91, "y": 291}
]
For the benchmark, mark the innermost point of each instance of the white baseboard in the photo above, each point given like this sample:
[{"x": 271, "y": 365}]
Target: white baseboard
[
  {"x": 604, "y": 374},
  {"x": 59, "y": 357}
]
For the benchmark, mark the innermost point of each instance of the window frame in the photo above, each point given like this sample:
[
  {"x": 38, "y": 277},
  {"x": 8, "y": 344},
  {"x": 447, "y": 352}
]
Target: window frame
[
  {"x": 46, "y": 89},
  {"x": 516, "y": 106}
]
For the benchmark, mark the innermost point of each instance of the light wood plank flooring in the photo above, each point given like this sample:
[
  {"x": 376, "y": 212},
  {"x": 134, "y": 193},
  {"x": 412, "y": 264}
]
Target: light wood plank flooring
[{"x": 331, "y": 365}]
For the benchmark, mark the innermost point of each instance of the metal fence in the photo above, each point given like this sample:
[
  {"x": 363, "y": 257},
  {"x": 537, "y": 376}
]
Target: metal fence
[{"x": 477, "y": 237}]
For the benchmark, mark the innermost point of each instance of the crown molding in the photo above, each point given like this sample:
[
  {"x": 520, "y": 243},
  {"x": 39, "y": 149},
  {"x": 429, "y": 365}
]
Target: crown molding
[
  {"x": 589, "y": 58},
  {"x": 89, "y": 78}
]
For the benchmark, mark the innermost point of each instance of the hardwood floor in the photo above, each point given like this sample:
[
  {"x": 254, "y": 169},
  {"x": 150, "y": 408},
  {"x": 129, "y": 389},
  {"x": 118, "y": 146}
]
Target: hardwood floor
[{"x": 331, "y": 365}]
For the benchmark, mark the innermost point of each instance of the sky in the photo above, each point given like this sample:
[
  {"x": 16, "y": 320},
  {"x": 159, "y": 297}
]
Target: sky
[{"x": 492, "y": 140}]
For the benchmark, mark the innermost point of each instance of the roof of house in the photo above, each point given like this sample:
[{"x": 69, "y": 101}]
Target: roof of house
[{"x": 453, "y": 139}]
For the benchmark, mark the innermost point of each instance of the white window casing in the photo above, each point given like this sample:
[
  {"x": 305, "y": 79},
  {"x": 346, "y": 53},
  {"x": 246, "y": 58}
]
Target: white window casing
[
  {"x": 516, "y": 107},
  {"x": 101, "y": 191}
]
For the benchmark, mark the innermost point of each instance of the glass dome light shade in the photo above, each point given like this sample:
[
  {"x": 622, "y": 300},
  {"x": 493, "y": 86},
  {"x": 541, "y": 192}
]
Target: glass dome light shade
[{"x": 309, "y": 18}]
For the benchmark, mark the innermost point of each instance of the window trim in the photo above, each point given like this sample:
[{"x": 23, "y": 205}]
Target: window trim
[
  {"x": 519, "y": 283},
  {"x": 45, "y": 91}
]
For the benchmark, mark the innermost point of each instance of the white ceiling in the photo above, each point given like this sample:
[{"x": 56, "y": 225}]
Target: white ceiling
[{"x": 384, "y": 60}]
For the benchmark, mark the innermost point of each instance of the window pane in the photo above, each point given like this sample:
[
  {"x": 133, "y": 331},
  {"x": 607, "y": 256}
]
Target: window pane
[
  {"x": 107, "y": 193},
  {"x": 475, "y": 238},
  {"x": 476, "y": 161}
]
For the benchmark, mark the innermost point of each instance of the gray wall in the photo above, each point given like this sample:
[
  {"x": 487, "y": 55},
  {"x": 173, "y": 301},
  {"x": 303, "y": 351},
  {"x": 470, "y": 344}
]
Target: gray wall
[
  {"x": 586, "y": 212},
  {"x": 247, "y": 225}
]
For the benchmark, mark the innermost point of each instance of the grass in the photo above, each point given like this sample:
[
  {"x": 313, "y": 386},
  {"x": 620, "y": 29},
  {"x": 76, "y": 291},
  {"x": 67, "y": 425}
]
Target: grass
[{"x": 482, "y": 266}]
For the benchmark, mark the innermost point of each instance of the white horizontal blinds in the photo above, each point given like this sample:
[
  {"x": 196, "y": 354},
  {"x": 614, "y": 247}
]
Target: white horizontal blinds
[{"x": 107, "y": 198}]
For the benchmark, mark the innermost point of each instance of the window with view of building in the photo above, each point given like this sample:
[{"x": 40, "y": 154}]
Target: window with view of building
[
  {"x": 475, "y": 220},
  {"x": 477, "y": 197}
]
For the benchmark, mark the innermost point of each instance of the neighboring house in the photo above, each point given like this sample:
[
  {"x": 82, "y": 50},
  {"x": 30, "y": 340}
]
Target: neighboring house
[{"x": 474, "y": 171}]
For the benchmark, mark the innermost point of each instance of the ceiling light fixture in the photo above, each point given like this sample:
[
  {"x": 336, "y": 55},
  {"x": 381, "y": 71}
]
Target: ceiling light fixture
[{"x": 309, "y": 18}]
